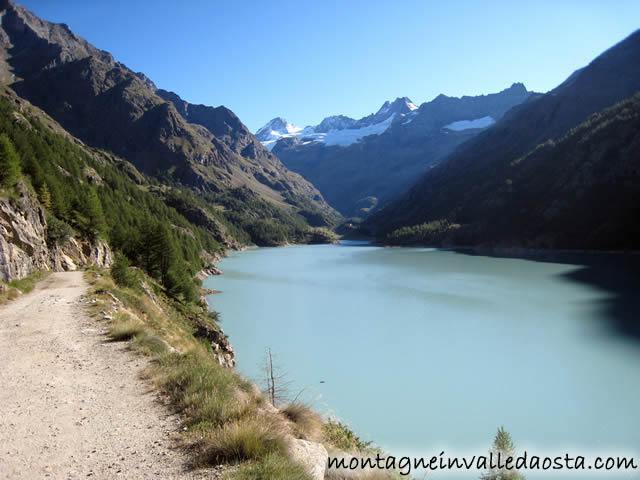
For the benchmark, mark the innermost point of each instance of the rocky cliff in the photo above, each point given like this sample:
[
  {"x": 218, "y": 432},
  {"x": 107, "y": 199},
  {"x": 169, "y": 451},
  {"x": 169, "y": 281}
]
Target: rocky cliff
[{"x": 23, "y": 241}]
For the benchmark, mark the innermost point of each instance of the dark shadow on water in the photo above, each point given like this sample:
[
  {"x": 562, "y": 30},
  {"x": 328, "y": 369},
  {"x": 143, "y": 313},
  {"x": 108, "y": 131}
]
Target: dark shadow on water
[{"x": 615, "y": 275}]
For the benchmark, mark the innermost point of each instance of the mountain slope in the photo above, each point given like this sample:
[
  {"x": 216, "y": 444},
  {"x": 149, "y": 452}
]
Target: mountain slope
[
  {"x": 110, "y": 107},
  {"x": 403, "y": 142},
  {"x": 501, "y": 189}
]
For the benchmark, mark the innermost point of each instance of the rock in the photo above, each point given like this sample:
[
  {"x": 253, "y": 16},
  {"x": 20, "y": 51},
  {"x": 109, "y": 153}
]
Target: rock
[
  {"x": 23, "y": 247},
  {"x": 92, "y": 176},
  {"x": 208, "y": 271},
  {"x": 100, "y": 254},
  {"x": 312, "y": 455},
  {"x": 66, "y": 263},
  {"x": 223, "y": 349},
  {"x": 23, "y": 241}
]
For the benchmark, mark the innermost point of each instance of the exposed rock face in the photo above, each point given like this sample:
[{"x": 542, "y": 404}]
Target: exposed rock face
[
  {"x": 223, "y": 349},
  {"x": 23, "y": 241},
  {"x": 23, "y": 246},
  {"x": 100, "y": 254},
  {"x": 312, "y": 455}
]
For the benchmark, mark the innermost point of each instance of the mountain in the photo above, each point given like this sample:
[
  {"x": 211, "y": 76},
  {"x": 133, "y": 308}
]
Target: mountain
[
  {"x": 338, "y": 129},
  {"x": 559, "y": 171},
  {"x": 360, "y": 164},
  {"x": 108, "y": 106}
]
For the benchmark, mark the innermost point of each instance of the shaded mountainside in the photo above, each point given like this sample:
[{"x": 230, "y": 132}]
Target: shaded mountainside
[
  {"x": 477, "y": 170},
  {"x": 67, "y": 203},
  {"x": 108, "y": 106},
  {"x": 581, "y": 191},
  {"x": 357, "y": 178}
]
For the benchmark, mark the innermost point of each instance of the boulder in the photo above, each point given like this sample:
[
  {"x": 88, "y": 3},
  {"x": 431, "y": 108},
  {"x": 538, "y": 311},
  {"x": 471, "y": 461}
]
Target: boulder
[{"x": 312, "y": 455}]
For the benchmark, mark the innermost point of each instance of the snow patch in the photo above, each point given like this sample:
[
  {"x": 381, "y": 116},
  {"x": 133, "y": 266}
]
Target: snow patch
[
  {"x": 342, "y": 138},
  {"x": 460, "y": 125},
  {"x": 349, "y": 136}
]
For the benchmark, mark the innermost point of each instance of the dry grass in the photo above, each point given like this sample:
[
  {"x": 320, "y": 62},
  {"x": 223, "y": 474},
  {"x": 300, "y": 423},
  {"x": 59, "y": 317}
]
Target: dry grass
[
  {"x": 273, "y": 466},
  {"x": 124, "y": 328},
  {"x": 248, "y": 438},
  {"x": 308, "y": 425},
  {"x": 150, "y": 344},
  {"x": 199, "y": 387}
]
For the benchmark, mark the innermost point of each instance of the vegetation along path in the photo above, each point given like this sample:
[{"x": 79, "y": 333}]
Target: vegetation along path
[{"x": 71, "y": 402}]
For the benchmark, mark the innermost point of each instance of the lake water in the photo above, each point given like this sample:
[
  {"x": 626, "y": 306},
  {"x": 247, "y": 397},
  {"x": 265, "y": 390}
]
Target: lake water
[{"x": 426, "y": 350}]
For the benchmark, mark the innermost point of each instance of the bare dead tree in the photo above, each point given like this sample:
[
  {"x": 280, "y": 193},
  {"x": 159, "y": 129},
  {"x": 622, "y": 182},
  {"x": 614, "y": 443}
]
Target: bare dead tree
[{"x": 276, "y": 384}]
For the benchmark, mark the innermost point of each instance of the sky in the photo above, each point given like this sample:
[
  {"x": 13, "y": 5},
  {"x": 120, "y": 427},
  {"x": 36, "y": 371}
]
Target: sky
[{"x": 307, "y": 60}]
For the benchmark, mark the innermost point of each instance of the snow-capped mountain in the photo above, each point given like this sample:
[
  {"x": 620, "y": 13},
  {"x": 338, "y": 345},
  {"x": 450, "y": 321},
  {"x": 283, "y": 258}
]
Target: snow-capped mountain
[
  {"x": 275, "y": 129},
  {"x": 338, "y": 130},
  {"x": 360, "y": 164}
]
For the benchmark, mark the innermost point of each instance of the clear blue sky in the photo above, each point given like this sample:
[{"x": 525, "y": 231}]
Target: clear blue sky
[{"x": 309, "y": 59}]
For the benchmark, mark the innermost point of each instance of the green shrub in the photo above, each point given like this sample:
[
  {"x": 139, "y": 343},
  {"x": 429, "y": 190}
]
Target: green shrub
[
  {"x": 343, "y": 438},
  {"x": 27, "y": 284},
  {"x": 58, "y": 232},
  {"x": 121, "y": 273}
]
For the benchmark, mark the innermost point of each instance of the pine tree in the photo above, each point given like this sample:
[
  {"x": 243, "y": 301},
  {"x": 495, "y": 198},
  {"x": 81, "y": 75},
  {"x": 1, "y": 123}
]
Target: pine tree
[
  {"x": 94, "y": 211},
  {"x": 45, "y": 196},
  {"x": 164, "y": 254},
  {"x": 504, "y": 446},
  {"x": 9, "y": 163}
]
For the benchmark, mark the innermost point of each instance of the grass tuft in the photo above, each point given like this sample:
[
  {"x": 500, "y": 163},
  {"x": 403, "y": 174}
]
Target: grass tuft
[
  {"x": 308, "y": 424},
  {"x": 124, "y": 328},
  {"x": 198, "y": 386},
  {"x": 274, "y": 465},
  {"x": 248, "y": 438},
  {"x": 27, "y": 284},
  {"x": 150, "y": 344}
]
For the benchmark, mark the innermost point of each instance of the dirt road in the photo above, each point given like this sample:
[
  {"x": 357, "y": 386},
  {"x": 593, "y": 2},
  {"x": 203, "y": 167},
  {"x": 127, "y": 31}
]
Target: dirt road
[{"x": 72, "y": 404}]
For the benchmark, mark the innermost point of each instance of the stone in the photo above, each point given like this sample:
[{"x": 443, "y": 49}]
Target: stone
[
  {"x": 23, "y": 246},
  {"x": 311, "y": 455}
]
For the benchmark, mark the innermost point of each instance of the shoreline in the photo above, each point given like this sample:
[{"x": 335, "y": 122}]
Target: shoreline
[
  {"x": 514, "y": 250},
  {"x": 511, "y": 252}
]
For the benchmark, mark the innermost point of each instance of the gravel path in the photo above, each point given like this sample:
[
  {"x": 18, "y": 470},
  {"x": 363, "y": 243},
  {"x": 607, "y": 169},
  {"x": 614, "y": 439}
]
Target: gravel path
[{"x": 72, "y": 404}]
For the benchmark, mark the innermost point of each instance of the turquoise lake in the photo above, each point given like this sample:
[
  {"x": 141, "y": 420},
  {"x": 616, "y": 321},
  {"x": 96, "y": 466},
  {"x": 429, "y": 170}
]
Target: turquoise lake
[{"x": 425, "y": 350}]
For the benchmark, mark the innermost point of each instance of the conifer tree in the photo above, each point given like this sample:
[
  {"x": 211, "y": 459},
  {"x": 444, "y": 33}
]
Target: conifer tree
[
  {"x": 504, "y": 446},
  {"x": 45, "y": 196},
  {"x": 164, "y": 254},
  {"x": 9, "y": 163},
  {"x": 95, "y": 213}
]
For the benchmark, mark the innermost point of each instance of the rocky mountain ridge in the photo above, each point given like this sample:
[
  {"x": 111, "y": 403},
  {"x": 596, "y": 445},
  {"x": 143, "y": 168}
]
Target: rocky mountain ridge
[
  {"x": 108, "y": 106},
  {"x": 359, "y": 177}
]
